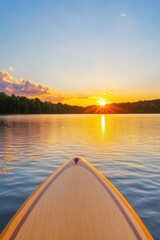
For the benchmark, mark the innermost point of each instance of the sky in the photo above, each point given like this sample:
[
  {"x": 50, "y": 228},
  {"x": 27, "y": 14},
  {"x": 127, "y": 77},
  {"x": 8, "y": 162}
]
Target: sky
[{"x": 80, "y": 52}]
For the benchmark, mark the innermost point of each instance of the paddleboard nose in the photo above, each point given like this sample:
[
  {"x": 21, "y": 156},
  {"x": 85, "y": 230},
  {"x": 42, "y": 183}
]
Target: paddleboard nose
[{"x": 76, "y": 159}]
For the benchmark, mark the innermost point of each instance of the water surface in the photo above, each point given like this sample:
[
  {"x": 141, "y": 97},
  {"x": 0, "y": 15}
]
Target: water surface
[{"x": 125, "y": 148}]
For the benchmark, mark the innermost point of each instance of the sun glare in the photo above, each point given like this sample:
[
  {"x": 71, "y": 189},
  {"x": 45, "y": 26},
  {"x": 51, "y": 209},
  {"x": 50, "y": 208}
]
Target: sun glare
[{"x": 102, "y": 102}]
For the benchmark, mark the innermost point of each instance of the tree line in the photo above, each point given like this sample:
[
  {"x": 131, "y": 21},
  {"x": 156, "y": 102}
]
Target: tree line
[{"x": 23, "y": 105}]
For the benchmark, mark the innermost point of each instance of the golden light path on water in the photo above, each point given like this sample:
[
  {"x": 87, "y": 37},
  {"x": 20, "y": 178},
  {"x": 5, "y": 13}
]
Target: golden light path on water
[{"x": 103, "y": 124}]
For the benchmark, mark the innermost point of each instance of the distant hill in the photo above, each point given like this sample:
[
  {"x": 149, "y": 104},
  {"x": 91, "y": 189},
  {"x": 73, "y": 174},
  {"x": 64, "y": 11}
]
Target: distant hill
[{"x": 22, "y": 105}]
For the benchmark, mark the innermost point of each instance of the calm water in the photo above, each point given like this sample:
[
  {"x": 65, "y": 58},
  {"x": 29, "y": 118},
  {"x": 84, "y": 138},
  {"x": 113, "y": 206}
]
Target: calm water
[{"x": 125, "y": 148}]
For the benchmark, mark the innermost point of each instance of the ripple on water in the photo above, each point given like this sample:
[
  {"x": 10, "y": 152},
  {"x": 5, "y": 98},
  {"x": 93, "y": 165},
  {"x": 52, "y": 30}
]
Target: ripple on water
[{"x": 125, "y": 148}]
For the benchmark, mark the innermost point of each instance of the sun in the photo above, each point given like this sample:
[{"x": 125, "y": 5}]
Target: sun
[{"x": 102, "y": 102}]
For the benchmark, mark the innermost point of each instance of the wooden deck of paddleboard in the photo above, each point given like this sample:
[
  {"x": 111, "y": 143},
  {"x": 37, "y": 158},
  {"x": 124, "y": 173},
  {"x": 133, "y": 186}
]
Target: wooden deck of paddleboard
[{"x": 76, "y": 203}]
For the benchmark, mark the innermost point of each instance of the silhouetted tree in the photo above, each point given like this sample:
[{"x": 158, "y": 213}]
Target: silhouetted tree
[{"x": 22, "y": 105}]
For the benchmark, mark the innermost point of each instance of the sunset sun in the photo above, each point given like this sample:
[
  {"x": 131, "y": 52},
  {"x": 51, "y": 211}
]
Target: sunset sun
[{"x": 102, "y": 102}]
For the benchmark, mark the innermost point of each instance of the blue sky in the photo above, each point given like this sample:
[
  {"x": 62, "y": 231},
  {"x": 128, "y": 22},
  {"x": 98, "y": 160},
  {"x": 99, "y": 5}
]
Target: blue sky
[{"x": 84, "y": 47}]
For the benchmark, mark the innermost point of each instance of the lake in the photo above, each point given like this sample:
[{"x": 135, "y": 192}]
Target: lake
[{"x": 125, "y": 148}]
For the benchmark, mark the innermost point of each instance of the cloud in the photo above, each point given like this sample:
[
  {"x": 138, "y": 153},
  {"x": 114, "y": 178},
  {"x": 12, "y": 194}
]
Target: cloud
[
  {"x": 56, "y": 97},
  {"x": 82, "y": 97},
  {"x": 11, "y": 68},
  {"x": 13, "y": 85},
  {"x": 107, "y": 92},
  {"x": 123, "y": 14},
  {"x": 111, "y": 90},
  {"x": 21, "y": 87}
]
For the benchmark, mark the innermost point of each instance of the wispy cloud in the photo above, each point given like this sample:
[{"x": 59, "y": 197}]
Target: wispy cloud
[
  {"x": 11, "y": 68},
  {"x": 18, "y": 86},
  {"x": 82, "y": 97},
  {"x": 123, "y": 14},
  {"x": 107, "y": 92}
]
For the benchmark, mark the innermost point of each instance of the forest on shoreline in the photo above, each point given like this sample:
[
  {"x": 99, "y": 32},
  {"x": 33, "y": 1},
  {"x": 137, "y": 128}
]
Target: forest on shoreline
[{"x": 23, "y": 105}]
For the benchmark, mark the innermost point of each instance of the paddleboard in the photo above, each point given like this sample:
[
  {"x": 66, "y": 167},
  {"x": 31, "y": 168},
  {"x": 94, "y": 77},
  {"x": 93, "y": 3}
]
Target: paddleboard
[{"x": 76, "y": 202}]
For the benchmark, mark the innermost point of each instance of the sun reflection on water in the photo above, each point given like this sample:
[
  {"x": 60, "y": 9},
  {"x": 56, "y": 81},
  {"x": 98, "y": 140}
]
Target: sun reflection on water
[{"x": 103, "y": 124}]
